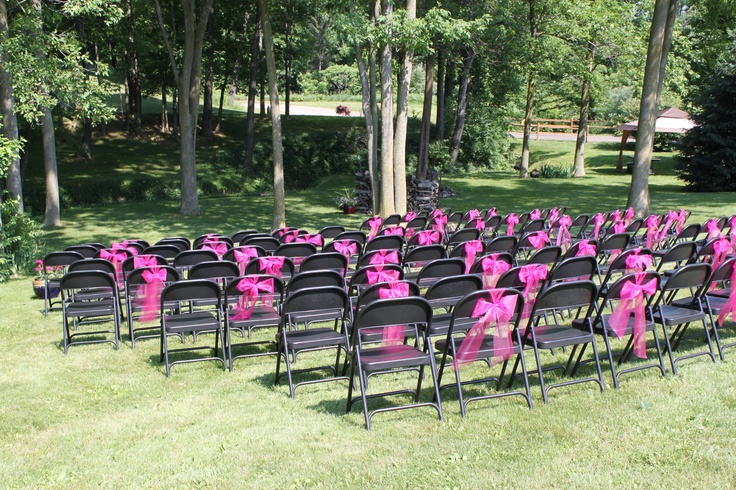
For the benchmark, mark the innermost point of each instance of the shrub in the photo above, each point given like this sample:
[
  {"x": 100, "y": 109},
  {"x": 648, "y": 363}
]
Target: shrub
[
  {"x": 556, "y": 172},
  {"x": 20, "y": 241}
]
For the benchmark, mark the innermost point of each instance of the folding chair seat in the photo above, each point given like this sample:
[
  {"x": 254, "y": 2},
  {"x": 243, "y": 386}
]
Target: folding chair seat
[
  {"x": 720, "y": 300},
  {"x": 443, "y": 295},
  {"x": 330, "y": 232},
  {"x": 165, "y": 250},
  {"x": 490, "y": 267},
  {"x": 368, "y": 357},
  {"x": 239, "y": 236},
  {"x": 299, "y": 308},
  {"x": 183, "y": 319},
  {"x": 80, "y": 312},
  {"x": 385, "y": 242},
  {"x": 489, "y": 334},
  {"x": 431, "y": 272},
  {"x": 626, "y": 310},
  {"x": 333, "y": 261},
  {"x": 241, "y": 255},
  {"x": 143, "y": 287},
  {"x": 577, "y": 297},
  {"x": 416, "y": 257},
  {"x": 680, "y": 303},
  {"x": 252, "y": 302},
  {"x": 87, "y": 251},
  {"x": 267, "y": 243},
  {"x": 182, "y": 243},
  {"x": 188, "y": 258}
]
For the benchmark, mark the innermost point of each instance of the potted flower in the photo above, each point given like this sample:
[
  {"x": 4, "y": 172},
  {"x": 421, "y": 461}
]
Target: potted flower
[
  {"x": 39, "y": 280},
  {"x": 346, "y": 201}
]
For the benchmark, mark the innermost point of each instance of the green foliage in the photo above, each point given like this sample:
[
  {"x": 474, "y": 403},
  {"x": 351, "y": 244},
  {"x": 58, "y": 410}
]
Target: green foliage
[
  {"x": 556, "y": 171},
  {"x": 333, "y": 80},
  {"x": 20, "y": 241},
  {"x": 708, "y": 160}
]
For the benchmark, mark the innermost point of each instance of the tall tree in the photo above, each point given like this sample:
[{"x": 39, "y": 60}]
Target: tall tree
[
  {"x": 250, "y": 129},
  {"x": 187, "y": 69},
  {"x": 13, "y": 181},
  {"x": 386, "y": 198},
  {"x": 279, "y": 209}
]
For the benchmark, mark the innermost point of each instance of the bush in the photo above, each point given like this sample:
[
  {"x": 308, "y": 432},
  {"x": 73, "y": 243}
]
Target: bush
[
  {"x": 556, "y": 172},
  {"x": 20, "y": 241}
]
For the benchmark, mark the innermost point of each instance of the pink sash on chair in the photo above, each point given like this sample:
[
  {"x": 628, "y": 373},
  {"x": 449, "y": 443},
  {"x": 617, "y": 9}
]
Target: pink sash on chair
[
  {"x": 429, "y": 237},
  {"x": 652, "y": 231},
  {"x": 730, "y": 307},
  {"x": 124, "y": 245},
  {"x": 215, "y": 245},
  {"x": 144, "y": 261},
  {"x": 496, "y": 312},
  {"x": 553, "y": 215},
  {"x": 271, "y": 265},
  {"x": 619, "y": 227},
  {"x": 720, "y": 249},
  {"x": 384, "y": 257},
  {"x": 439, "y": 223},
  {"x": 409, "y": 216},
  {"x": 493, "y": 269},
  {"x": 346, "y": 247},
  {"x": 380, "y": 275},
  {"x": 598, "y": 221},
  {"x": 393, "y": 230},
  {"x": 681, "y": 218},
  {"x": 251, "y": 287},
  {"x": 511, "y": 221},
  {"x": 539, "y": 239},
  {"x": 632, "y": 301},
  {"x": 394, "y": 334},
  {"x": 535, "y": 214},
  {"x": 117, "y": 258},
  {"x": 672, "y": 217},
  {"x": 244, "y": 255},
  {"x": 563, "y": 234},
  {"x": 151, "y": 293},
  {"x": 316, "y": 240},
  {"x": 531, "y": 276},
  {"x": 585, "y": 248},
  {"x": 375, "y": 225},
  {"x": 628, "y": 216},
  {"x": 473, "y": 214},
  {"x": 471, "y": 248},
  {"x": 711, "y": 227},
  {"x": 638, "y": 262}
]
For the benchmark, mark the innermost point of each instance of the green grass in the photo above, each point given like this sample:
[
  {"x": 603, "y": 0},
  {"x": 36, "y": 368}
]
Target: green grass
[{"x": 100, "y": 417}]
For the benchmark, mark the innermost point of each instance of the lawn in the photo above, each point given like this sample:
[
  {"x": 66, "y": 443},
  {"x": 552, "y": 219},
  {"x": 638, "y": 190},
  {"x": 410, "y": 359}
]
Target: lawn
[{"x": 99, "y": 417}]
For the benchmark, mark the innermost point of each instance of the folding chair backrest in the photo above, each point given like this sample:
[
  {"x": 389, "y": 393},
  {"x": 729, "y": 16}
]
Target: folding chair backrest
[
  {"x": 61, "y": 259},
  {"x": 385, "y": 242},
  {"x": 532, "y": 226},
  {"x": 583, "y": 267},
  {"x": 295, "y": 250},
  {"x": 87, "y": 280},
  {"x": 617, "y": 241},
  {"x": 575, "y": 248},
  {"x": 190, "y": 290},
  {"x": 360, "y": 277},
  {"x": 268, "y": 243},
  {"x": 92, "y": 265},
  {"x": 215, "y": 269},
  {"x": 424, "y": 253},
  {"x": 463, "y": 235},
  {"x": 565, "y": 295},
  {"x": 230, "y": 254},
  {"x": 316, "y": 299},
  {"x": 546, "y": 255},
  {"x": 493, "y": 222},
  {"x": 368, "y": 256},
  {"x": 441, "y": 268},
  {"x": 334, "y": 261},
  {"x": 181, "y": 242},
  {"x": 451, "y": 288},
  {"x": 392, "y": 220},
  {"x": 412, "y": 310},
  {"x": 373, "y": 292},
  {"x": 724, "y": 272},
  {"x": 688, "y": 276},
  {"x": 165, "y": 250},
  {"x": 239, "y": 236},
  {"x": 315, "y": 279},
  {"x": 689, "y": 232},
  {"x": 418, "y": 223},
  {"x": 257, "y": 267},
  {"x": 678, "y": 253},
  {"x": 135, "y": 277},
  {"x": 477, "y": 267},
  {"x": 129, "y": 263},
  {"x": 87, "y": 251},
  {"x": 233, "y": 293},
  {"x": 615, "y": 289},
  {"x": 506, "y": 243},
  {"x": 356, "y": 235},
  {"x": 330, "y": 232},
  {"x": 461, "y": 251},
  {"x": 188, "y": 258}
]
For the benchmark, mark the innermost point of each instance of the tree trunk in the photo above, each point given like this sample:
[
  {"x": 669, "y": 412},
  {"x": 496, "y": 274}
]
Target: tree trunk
[
  {"x": 250, "y": 131},
  {"x": 423, "y": 160},
  {"x": 279, "y": 210},
  {"x": 52, "y": 214},
  {"x": 370, "y": 115},
  {"x": 582, "y": 136},
  {"x": 639, "y": 191},
  {"x": 462, "y": 105},
  {"x": 672, "y": 12},
  {"x": 386, "y": 201},
  {"x": 13, "y": 181},
  {"x": 262, "y": 96},
  {"x": 441, "y": 75},
  {"x": 402, "y": 119},
  {"x": 209, "y": 79},
  {"x": 164, "y": 108},
  {"x": 287, "y": 72},
  {"x": 525, "y": 153},
  {"x": 220, "y": 105}
]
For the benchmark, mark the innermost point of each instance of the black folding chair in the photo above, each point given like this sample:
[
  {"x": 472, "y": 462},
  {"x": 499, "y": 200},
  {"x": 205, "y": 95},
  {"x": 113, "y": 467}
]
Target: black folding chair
[
  {"x": 56, "y": 263},
  {"x": 139, "y": 283}
]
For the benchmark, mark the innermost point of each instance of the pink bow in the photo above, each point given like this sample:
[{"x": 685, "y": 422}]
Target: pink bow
[
  {"x": 437, "y": 212},
  {"x": 539, "y": 239},
  {"x": 585, "y": 248},
  {"x": 530, "y": 275},
  {"x": 553, "y": 215},
  {"x": 636, "y": 262},
  {"x": 493, "y": 268},
  {"x": 478, "y": 223},
  {"x": 125, "y": 245},
  {"x": 282, "y": 231},
  {"x": 271, "y": 265},
  {"x": 243, "y": 256},
  {"x": 384, "y": 257},
  {"x": 652, "y": 231},
  {"x": 375, "y": 224},
  {"x": 428, "y": 237},
  {"x": 393, "y": 230},
  {"x": 671, "y": 218},
  {"x": 151, "y": 293},
  {"x": 720, "y": 249},
  {"x": 215, "y": 245},
  {"x": 380, "y": 275},
  {"x": 563, "y": 235},
  {"x": 116, "y": 257},
  {"x": 471, "y": 248},
  {"x": 251, "y": 287},
  {"x": 730, "y": 307},
  {"x": 496, "y": 312},
  {"x": 536, "y": 214},
  {"x": 511, "y": 220},
  {"x": 394, "y": 334},
  {"x": 632, "y": 301},
  {"x": 346, "y": 247},
  {"x": 144, "y": 261},
  {"x": 316, "y": 240},
  {"x": 409, "y": 216},
  {"x": 473, "y": 214},
  {"x": 628, "y": 216},
  {"x": 289, "y": 236},
  {"x": 440, "y": 221},
  {"x": 681, "y": 218},
  {"x": 712, "y": 227},
  {"x": 616, "y": 216},
  {"x": 598, "y": 221},
  {"x": 732, "y": 237},
  {"x": 492, "y": 212},
  {"x": 619, "y": 227}
]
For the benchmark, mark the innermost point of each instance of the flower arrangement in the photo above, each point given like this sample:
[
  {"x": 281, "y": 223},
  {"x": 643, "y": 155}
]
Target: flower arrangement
[
  {"x": 346, "y": 199},
  {"x": 50, "y": 271},
  {"x": 342, "y": 110}
]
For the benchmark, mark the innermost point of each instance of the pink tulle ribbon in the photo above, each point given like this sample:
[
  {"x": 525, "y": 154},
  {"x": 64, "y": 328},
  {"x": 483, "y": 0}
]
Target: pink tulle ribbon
[
  {"x": 144, "y": 261},
  {"x": 437, "y": 212},
  {"x": 496, "y": 312},
  {"x": 380, "y": 275},
  {"x": 477, "y": 223},
  {"x": 535, "y": 214},
  {"x": 271, "y": 265},
  {"x": 151, "y": 292},
  {"x": 652, "y": 231},
  {"x": 616, "y": 216},
  {"x": 492, "y": 212},
  {"x": 672, "y": 217},
  {"x": 439, "y": 223},
  {"x": 117, "y": 257},
  {"x": 553, "y": 215},
  {"x": 243, "y": 255},
  {"x": 598, "y": 221},
  {"x": 473, "y": 214},
  {"x": 632, "y": 301},
  {"x": 215, "y": 245},
  {"x": 346, "y": 247},
  {"x": 720, "y": 249},
  {"x": 619, "y": 227},
  {"x": 730, "y": 307},
  {"x": 409, "y": 216},
  {"x": 125, "y": 245},
  {"x": 394, "y": 334},
  {"x": 289, "y": 236},
  {"x": 637, "y": 261},
  {"x": 384, "y": 257},
  {"x": 531, "y": 276},
  {"x": 316, "y": 240},
  {"x": 628, "y": 216},
  {"x": 493, "y": 268},
  {"x": 732, "y": 236},
  {"x": 711, "y": 226},
  {"x": 471, "y": 248},
  {"x": 429, "y": 237},
  {"x": 585, "y": 248},
  {"x": 539, "y": 239},
  {"x": 375, "y": 225},
  {"x": 511, "y": 221},
  {"x": 251, "y": 287},
  {"x": 563, "y": 234},
  {"x": 681, "y": 218},
  {"x": 394, "y": 230}
]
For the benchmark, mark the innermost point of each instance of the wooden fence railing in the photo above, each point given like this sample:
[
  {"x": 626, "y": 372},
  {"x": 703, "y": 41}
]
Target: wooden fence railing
[{"x": 566, "y": 125}]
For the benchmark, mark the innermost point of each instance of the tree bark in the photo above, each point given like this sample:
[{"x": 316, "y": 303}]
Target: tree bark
[
  {"x": 402, "y": 119},
  {"x": 370, "y": 115},
  {"x": 188, "y": 72},
  {"x": 250, "y": 130},
  {"x": 209, "y": 79},
  {"x": 423, "y": 160},
  {"x": 164, "y": 108},
  {"x": 462, "y": 105},
  {"x": 52, "y": 213},
  {"x": 386, "y": 201},
  {"x": 672, "y": 12},
  {"x": 639, "y": 191},
  {"x": 279, "y": 210},
  {"x": 13, "y": 180},
  {"x": 441, "y": 76},
  {"x": 582, "y": 136},
  {"x": 287, "y": 72},
  {"x": 525, "y": 153}
]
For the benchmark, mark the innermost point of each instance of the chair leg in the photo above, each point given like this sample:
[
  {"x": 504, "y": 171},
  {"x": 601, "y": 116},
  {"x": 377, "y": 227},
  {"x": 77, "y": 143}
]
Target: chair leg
[{"x": 598, "y": 367}]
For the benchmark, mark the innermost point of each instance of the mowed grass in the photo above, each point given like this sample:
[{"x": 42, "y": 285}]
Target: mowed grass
[{"x": 99, "y": 417}]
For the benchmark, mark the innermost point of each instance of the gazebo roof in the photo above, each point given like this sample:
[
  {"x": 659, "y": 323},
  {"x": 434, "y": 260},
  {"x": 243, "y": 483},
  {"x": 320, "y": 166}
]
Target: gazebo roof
[{"x": 671, "y": 120}]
